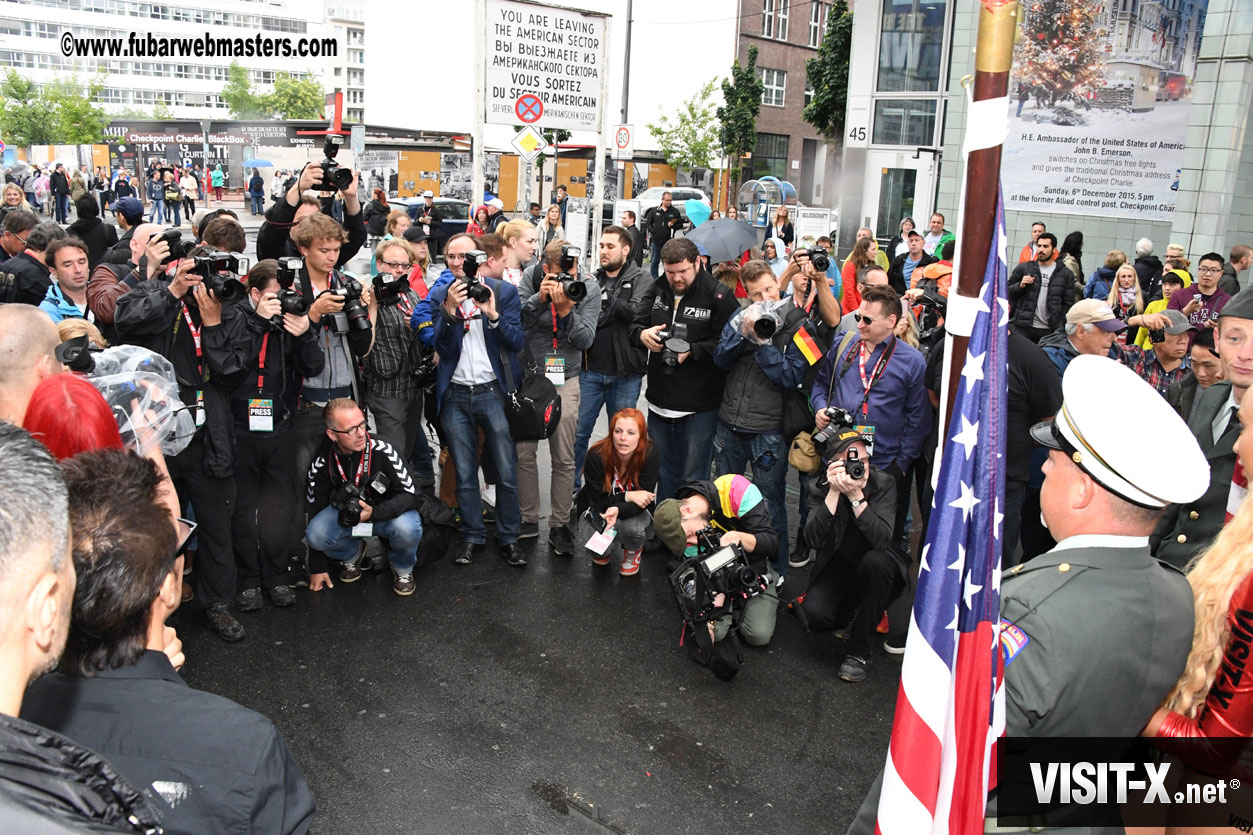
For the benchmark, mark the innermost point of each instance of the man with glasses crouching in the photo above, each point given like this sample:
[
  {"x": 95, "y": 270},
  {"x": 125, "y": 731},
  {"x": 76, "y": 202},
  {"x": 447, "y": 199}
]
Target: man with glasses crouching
[{"x": 359, "y": 487}]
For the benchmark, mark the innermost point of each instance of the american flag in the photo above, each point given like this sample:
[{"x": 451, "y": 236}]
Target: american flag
[{"x": 950, "y": 708}]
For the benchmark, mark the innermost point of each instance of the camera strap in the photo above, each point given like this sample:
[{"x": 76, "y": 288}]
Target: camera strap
[
  {"x": 194, "y": 330},
  {"x": 875, "y": 373},
  {"x": 265, "y": 344},
  {"x": 363, "y": 466}
]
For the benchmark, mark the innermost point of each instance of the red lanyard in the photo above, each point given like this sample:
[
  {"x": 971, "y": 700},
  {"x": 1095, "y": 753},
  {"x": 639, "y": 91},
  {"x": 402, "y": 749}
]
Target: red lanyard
[
  {"x": 362, "y": 467},
  {"x": 195, "y": 338},
  {"x": 618, "y": 486},
  {"x": 875, "y": 373},
  {"x": 466, "y": 319},
  {"x": 553, "y": 308},
  {"x": 265, "y": 344}
]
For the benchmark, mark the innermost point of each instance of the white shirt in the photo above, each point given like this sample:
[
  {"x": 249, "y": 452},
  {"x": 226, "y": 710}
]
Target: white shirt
[
  {"x": 473, "y": 368},
  {"x": 1042, "y": 301},
  {"x": 929, "y": 242},
  {"x": 1219, "y": 425},
  {"x": 673, "y": 414}
]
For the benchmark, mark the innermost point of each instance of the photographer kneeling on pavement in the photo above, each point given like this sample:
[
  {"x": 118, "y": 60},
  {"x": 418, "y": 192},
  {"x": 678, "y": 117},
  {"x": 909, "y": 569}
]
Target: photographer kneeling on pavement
[
  {"x": 857, "y": 572},
  {"x": 360, "y": 487},
  {"x": 708, "y": 516}
]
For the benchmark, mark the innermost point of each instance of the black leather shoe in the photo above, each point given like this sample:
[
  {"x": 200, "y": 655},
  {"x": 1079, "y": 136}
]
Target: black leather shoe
[
  {"x": 512, "y": 555},
  {"x": 465, "y": 553},
  {"x": 281, "y": 595},
  {"x": 223, "y": 624},
  {"x": 249, "y": 600}
]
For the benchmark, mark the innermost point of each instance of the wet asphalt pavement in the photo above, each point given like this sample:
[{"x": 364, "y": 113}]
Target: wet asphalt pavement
[{"x": 551, "y": 699}]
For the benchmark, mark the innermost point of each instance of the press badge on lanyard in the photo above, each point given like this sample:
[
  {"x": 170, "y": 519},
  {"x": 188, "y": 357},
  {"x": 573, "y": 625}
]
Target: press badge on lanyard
[
  {"x": 260, "y": 415},
  {"x": 200, "y": 408},
  {"x": 195, "y": 338},
  {"x": 554, "y": 366}
]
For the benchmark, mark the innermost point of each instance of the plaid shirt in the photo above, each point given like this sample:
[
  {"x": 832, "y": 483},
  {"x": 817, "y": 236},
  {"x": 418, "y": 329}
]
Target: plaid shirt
[
  {"x": 1145, "y": 363},
  {"x": 389, "y": 364}
]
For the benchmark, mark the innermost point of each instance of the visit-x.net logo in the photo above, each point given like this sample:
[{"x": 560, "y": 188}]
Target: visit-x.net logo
[{"x": 1086, "y": 782}]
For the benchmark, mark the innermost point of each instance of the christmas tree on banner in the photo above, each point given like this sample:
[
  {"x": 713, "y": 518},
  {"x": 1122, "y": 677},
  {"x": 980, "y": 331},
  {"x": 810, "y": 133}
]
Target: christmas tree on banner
[{"x": 1059, "y": 51}]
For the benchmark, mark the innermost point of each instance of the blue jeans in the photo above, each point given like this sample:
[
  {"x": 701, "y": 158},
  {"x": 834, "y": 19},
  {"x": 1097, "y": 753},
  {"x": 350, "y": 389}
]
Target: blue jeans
[
  {"x": 156, "y": 213},
  {"x": 402, "y": 534},
  {"x": 686, "y": 447},
  {"x": 63, "y": 208},
  {"x": 465, "y": 410},
  {"x": 174, "y": 206},
  {"x": 256, "y": 204},
  {"x": 765, "y": 451},
  {"x": 654, "y": 263},
  {"x": 595, "y": 390}
]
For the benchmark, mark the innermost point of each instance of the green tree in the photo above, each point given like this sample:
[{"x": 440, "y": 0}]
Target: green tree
[
  {"x": 828, "y": 75},
  {"x": 239, "y": 96},
  {"x": 295, "y": 98},
  {"x": 1059, "y": 50},
  {"x": 27, "y": 117},
  {"x": 79, "y": 121},
  {"x": 741, "y": 96},
  {"x": 690, "y": 139}
]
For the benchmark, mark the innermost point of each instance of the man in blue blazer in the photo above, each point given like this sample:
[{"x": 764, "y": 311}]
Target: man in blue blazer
[{"x": 473, "y": 339}]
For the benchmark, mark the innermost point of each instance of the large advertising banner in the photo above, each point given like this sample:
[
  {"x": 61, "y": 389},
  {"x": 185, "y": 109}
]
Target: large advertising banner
[{"x": 1098, "y": 114}]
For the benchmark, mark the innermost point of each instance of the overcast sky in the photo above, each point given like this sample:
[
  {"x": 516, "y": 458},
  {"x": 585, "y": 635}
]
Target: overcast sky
[{"x": 420, "y": 61}]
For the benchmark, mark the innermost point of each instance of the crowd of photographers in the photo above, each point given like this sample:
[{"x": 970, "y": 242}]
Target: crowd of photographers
[{"x": 321, "y": 411}]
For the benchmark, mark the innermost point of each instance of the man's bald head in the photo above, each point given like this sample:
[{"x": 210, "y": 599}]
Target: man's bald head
[
  {"x": 28, "y": 340},
  {"x": 140, "y": 237}
]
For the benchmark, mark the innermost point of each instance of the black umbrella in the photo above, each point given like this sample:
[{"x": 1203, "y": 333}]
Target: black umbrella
[{"x": 726, "y": 238}]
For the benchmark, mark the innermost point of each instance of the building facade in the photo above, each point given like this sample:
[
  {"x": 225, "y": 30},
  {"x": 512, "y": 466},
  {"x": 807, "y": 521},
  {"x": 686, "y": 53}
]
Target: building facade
[
  {"x": 906, "y": 96},
  {"x": 346, "y": 71},
  {"x": 186, "y": 86},
  {"x": 787, "y": 33}
]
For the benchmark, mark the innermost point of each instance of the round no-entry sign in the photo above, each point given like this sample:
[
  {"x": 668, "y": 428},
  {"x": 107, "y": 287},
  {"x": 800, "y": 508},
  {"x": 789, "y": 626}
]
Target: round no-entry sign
[{"x": 529, "y": 108}]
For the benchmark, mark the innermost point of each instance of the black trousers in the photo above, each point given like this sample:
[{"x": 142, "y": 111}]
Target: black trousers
[
  {"x": 213, "y": 500},
  {"x": 261, "y": 527},
  {"x": 308, "y": 435},
  {"x": 865, "y": 583}
]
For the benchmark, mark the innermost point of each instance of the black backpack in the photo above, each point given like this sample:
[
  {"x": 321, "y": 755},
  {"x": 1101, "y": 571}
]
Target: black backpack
[{"x": 533, "y": 408}]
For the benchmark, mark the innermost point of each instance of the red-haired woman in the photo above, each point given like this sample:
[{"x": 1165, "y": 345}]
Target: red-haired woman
[{"x": 619, "y": 485}]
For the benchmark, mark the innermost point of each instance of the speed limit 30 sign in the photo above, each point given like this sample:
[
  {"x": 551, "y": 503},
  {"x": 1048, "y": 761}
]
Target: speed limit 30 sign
[{"x": 623, "y": 142}]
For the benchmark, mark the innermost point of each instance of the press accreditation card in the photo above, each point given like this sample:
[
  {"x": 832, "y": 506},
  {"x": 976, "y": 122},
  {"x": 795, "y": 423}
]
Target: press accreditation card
[
  {"x": 601, "y": 541},
  {"x": 867, "y": 432},
  {"x": 555, "y": 370},
  {"x": 260, "y": 415}
]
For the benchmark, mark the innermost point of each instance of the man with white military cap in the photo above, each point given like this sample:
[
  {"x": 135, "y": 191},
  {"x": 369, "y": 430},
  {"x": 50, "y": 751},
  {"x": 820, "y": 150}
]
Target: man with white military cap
[{"x": 1095, "y": 632}]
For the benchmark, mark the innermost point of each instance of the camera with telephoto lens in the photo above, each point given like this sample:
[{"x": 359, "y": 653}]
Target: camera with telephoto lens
[
  {"x": 819, "y": 258},
  {"x": 180, "y": 247},
  {"x": 840, "y": 420},
  {"x": 354, "y": 316},
  {"x": 674, "y": 342},
  {"x": 475, "y": 288},
  {"x": 574, "y": 289},
  {"x": 334, "y": 177},
  {"x": 347, "y": 497},
  {"x": 220, "y": 270},
  {"x": 389, "y": 289},
  {"x": 767, "y": 318}
]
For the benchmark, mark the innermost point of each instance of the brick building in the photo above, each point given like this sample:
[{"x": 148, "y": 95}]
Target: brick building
[{"x": 787, "y": 33}]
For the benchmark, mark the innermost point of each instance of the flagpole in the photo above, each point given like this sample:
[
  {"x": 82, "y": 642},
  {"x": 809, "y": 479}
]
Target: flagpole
[{"x": 985, "y": 134}]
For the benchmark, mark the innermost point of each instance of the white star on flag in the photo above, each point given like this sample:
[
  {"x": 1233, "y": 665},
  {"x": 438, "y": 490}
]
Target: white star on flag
[
  {"x": 997, "y": 519},
  {"x": 973, "y": 370},
  {"x": 969, "y": 436},
  {"x": 1002, "y": 246},
  {"x": 959, "y": 563},
  {"x": 965, "y": 502},
  {"x": 923, "y": 560},
  {"x": 1004, "y": 312},
  {"x": 953, "y": 624},
  {"x": 971, "y": 590}
]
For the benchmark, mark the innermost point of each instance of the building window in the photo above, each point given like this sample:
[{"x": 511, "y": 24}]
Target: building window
[
  {"x": 776, "y": 82},
  {"x": 774, "y": 19},
  {"x": 908, "y": 122},
  {"x": 769, "y": 156},
  {"x": 809, "y": 93},
  {"x": 911, "y": 46},
  {"x": 817, "y": 22}
]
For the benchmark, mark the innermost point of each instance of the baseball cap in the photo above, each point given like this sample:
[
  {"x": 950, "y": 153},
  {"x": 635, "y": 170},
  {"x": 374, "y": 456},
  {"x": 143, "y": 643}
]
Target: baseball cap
[
  {"x": 415, "y": 235},
  {"x": 668, "y": 525},
  {"x": 843, "y": 441},
  {"x": 1093, "y": 388},
  {"x": 1094, "y": 312},
  {"x": 129, "y": 206},
  {"x": 1240, "y": 306},
  {"x": 428, "y": 194},
  {"x": 1178, "y": 322},
  {"x": 913, "y": 233}
]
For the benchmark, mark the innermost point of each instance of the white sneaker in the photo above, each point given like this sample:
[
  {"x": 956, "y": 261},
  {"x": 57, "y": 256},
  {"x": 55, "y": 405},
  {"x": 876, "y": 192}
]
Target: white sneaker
[{"x": 488, "y": 494}]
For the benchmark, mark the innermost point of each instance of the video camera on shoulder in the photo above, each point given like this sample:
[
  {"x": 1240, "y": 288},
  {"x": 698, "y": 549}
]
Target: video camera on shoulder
[
  {"x": 334, "y": 176},
  {"x": 674, "y": 342},
  {"x": 220, "y": 273},
  {"x": 475, "y": 288}
]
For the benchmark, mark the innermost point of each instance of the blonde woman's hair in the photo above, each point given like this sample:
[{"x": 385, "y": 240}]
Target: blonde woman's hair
[
  {"x": 1215, "y": 575},
  {"x": 1115, "y": 258},
  {"x": 910, "y": 336},
  {"x": 393, "y": 217},
  {"x": 548, "y": 212},
  {"x": 22, "y": 205},
  {"x": 513, "y": 230},
  {"x": 68, "y": 329},
  {"x": 1112, "y": 299}
]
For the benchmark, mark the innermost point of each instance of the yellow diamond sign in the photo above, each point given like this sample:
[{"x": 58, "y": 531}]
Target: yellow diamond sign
[{"x": 529, "y": 143}]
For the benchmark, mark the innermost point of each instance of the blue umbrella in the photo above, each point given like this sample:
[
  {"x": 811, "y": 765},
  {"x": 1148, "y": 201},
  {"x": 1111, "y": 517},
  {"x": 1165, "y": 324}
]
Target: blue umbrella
[
  {"x": 258, "y": 163},
  {"x": 697, "y": 212}
]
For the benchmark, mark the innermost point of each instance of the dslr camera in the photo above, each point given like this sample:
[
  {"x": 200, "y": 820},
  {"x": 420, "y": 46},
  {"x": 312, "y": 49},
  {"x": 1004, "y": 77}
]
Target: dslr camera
[
  {"x": 840, "y": 420},
  {"x": 347, "y": 496},
  {"x": 180, "y": 247},
  {"x": 767, "y": 319},
  {"x": 290, "y": 300},
  {"x": 389, "y": 289},
  {"x": 354, "y": 316},
  {"x": 575, "y": 289},
  {"x": 475, "y": 288},
  {"x": 819, "y": 258},
  {"x": 674, "y": 342},
  {"x": 220, "y": 272},
  {"x": 334, "y": 176}
]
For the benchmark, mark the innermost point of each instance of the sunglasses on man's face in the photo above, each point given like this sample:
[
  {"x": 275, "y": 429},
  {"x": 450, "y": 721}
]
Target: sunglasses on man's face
[
  {"x": 866, "y": 320},
  {"x": 186, "y": 529}
]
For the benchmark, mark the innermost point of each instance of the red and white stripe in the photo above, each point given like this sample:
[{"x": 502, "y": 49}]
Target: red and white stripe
[{"x": 1239, "y": 490}]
